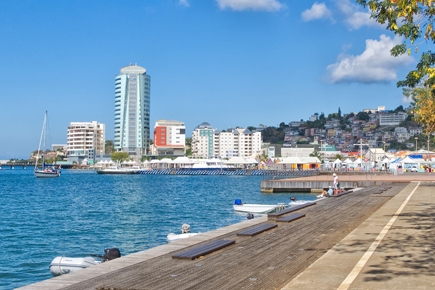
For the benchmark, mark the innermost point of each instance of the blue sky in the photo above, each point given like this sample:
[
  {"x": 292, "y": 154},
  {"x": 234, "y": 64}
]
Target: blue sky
[{"x": 226, "y": 62}]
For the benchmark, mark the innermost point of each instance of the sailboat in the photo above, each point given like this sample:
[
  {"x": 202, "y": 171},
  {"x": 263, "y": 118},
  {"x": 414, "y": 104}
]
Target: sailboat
[{"x": 44, "y": 171}]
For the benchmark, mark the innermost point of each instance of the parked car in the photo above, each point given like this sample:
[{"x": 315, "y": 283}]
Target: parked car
[{"x": 413, "y": 169}]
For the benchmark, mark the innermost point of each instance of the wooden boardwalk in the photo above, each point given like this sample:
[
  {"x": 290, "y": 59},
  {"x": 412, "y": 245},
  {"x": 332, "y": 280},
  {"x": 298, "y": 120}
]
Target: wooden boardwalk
[{"x": 268, "y": 260}]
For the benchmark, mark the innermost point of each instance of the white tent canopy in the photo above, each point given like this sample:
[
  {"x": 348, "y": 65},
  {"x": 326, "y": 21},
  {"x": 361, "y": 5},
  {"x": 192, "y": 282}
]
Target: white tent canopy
[
  {"x": 291, "y": 160},
  {"x": 236, "y": 160},
  {"x": 337, "y": 161},
  {"x": 348, "y": 161},
  {"x": 183, "y": 160},
  {"x": 310, "y": 160}
]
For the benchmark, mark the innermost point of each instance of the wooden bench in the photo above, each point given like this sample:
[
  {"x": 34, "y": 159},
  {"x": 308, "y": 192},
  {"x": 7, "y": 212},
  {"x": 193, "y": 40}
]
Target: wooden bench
[
  {"x": 291, "y": 217},
  {"x": 203, "y": 250},
  {"x": 257, "y": 230},
  {"x": 290, "y": 209}
]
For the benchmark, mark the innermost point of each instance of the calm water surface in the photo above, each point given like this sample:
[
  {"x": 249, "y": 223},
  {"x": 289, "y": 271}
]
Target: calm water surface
[{"x": 83, "y": 212}]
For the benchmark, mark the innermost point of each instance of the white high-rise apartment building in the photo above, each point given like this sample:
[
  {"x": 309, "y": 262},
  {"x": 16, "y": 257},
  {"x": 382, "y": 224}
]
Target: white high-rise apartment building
[
  {"x": 85, "y": 139},
  {"x": 132, "y": 110},
  {"x": 208, "y": 142}
]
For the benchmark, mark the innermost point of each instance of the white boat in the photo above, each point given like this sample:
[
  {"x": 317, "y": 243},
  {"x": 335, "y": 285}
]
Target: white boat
[
  {"x": 44, "y": 171},
  {"x": 185, "y": 233},
  {"x": 119, "y": 170},
  {"x": 254, "y": 208},
  {"x": 208, "y": 164},
  {"x": 65, "y": 265},
  {"x": 175, "y": 237}
]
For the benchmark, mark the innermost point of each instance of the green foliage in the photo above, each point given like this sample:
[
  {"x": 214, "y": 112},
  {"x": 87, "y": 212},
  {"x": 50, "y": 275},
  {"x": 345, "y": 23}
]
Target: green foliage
[
  {"x": 363, "y": 116},
  {"x": 273, "y": 135},
  {"x": 119, "y": 156},
  {"x": 399, "y": 109},
  {"x": 109, "y": 146}
]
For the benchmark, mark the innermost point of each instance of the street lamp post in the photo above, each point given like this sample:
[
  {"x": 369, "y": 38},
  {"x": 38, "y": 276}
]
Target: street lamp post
[
  {"x": 321, "y": 143},
  {"x": 428, "y": 154},
  {"x": 416, "y": 138}
]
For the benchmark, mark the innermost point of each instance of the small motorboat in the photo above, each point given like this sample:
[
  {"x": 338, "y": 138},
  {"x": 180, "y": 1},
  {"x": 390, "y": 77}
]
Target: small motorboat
[
  {"x": 256, "y": 208},
  {"x": 64, "y": 265},
  {"x": 185, "y": 233}
]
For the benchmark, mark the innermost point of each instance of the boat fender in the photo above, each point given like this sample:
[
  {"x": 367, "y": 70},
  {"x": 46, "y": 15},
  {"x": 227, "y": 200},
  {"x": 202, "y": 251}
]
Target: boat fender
[{"x": 250, "y": 216}]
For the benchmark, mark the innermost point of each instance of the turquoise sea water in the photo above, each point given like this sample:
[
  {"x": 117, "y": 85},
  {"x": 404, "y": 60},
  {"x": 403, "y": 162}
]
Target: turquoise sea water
[{"x": 82, "y": 213}]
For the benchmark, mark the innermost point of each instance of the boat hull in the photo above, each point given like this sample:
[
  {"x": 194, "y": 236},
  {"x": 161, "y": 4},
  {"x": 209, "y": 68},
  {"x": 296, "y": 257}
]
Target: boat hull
[
  {"x": 174, "y": 237},
  {"x": 43, "y": 174},
  {"x": 65, "y": 265},
  {"x": 254, "y": 208}
]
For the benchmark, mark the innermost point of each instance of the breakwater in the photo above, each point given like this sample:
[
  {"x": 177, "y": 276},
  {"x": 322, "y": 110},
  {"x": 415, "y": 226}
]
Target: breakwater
[{"x": 244, "y": 172}]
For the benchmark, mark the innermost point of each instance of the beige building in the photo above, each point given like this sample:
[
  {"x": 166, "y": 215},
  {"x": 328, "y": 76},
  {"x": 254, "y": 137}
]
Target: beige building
[
  {"x": 85, "y": 140},
  {"x": 208, "y": 142}
]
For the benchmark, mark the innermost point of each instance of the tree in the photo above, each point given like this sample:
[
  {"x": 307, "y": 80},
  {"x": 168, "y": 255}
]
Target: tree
[
  {"x": 414, "y": 20},
  {"x": 363, "y": 116},
  {"x": 108, "y": 146},
  {"x": 119, "y": 156},
  {"x": 339, "y": 113},
  {"x": 424, "y": 106}
]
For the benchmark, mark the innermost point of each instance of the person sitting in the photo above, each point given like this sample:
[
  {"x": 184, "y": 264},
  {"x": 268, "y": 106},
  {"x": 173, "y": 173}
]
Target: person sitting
[{"x": 330, "y": 191}]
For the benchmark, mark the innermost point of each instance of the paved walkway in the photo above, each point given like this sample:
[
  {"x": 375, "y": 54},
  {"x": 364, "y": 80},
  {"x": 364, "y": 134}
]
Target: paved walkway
[{"x": 393, "y": 249}]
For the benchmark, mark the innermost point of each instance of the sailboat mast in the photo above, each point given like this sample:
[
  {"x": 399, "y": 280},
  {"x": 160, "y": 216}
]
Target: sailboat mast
[{"x": 40, "y": 139}]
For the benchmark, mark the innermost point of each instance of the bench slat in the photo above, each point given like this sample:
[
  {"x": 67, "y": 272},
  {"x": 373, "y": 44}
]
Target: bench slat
[
  {"x": 257, "y": 230},
  {"x": 291, "y": 209},
  {"x": 203, "y": 250},
  {"x": 291, "y": 217}
]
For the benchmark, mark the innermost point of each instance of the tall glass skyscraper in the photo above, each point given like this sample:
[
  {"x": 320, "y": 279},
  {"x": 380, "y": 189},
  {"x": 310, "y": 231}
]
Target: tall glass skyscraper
[{"x": 132, "y": 111}]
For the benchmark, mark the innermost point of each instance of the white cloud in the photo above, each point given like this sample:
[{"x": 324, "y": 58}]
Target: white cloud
[
  {"x": 239, "y": 5},
  {"x": 375, "y": 64},
  {"x": 317, "y": 11},
  {"x": 184, "y": 3},
  {"x": 354, "y": 17},
  {"x": 406, "y": 100}
]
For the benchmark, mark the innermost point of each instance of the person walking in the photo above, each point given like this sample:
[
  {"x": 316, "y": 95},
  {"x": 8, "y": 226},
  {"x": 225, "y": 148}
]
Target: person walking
[{"x": 335, "y": 181}]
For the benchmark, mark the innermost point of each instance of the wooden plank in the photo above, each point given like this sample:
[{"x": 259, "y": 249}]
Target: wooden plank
[
  {"x": 257, "y": 230},
  {"x": 291, "y": 217},
  {"x": 203, "y": 250},
  {"x": 290, "y": 209},
  {"x": 342, "y": 193}
]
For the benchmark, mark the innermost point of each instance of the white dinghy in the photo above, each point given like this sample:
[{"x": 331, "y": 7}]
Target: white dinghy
[
  {"x": 256, "y": 208},
  {"x": 64, "y": 265}
]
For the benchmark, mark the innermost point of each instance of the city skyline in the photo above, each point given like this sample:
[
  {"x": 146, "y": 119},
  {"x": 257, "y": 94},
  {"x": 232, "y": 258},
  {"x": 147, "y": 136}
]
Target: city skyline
[{"x": 226, "y": 62}]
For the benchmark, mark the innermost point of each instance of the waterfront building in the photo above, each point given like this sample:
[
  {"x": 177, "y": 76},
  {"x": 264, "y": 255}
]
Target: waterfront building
[
  {"x": 208, "y": 142},
  {"x": 203, "y": 141},
  {"x": 85, "y": 140},
  {"x": 169, "y": 138},
  {"x": 132, "y": 111}
]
